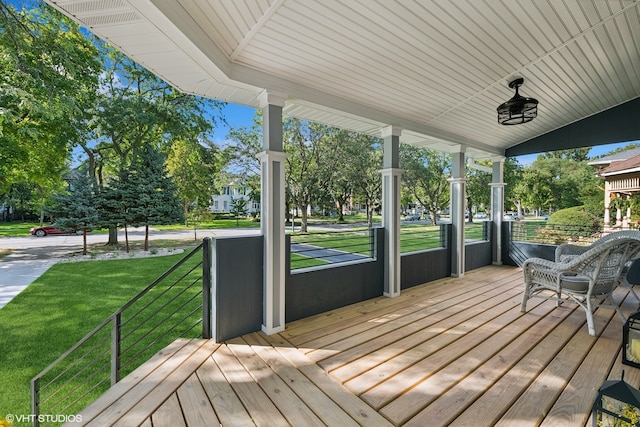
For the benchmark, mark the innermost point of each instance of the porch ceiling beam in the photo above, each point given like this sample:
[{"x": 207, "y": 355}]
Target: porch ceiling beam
[{"x": 617, "y": 124}]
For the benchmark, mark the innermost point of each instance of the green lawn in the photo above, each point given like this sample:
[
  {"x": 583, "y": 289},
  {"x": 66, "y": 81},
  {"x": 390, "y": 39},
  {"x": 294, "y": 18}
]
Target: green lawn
[
  {"x": 58, "y": 309},
  {"x": 18, "y": 229},
  {"x": 15, "y": 229}
]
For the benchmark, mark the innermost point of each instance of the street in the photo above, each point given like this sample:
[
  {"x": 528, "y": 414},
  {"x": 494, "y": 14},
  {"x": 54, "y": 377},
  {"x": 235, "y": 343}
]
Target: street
[
  {"x": 31, "y": 256},
  {"x": 73, "y": 242}
]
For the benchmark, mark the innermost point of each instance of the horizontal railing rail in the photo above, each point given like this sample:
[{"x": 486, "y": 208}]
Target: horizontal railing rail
[
  {"x": 476, "y": 231},
  {"x": 554, "y": 234},
  {"x": 330, "y": 247},
  {"x": 171, "y": 307},
  {"x": 415, "y": 238}
]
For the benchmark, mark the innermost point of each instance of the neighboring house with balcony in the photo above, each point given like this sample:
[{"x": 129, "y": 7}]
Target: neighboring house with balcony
[
  {"x": 621, "y": 174},
  {"x": 221, "y": 203}
]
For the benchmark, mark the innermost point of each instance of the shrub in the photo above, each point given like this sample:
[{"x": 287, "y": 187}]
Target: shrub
[{"x": 572, "y": 223}]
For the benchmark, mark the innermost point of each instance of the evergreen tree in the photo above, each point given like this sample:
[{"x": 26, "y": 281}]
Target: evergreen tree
[
  {"x": 110, "y": 205},
  {"x": 74, "y": 209},
  {"x": 151, "y": 193}
]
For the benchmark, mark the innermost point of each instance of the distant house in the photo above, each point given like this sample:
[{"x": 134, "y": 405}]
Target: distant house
[
  {"x": 221, "y": 203},
  {"x": 621, "y": 173}
]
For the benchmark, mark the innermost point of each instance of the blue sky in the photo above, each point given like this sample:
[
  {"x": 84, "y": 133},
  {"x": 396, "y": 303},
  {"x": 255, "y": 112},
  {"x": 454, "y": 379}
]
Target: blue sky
[
  {"x": 595, "y": 151},
  {"x": 239, "y": 116}
]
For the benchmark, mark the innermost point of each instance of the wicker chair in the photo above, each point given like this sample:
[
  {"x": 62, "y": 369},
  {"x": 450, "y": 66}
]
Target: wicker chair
[
  {"x": 569, "y": 251},
  {"x": 587, "y": 279}
]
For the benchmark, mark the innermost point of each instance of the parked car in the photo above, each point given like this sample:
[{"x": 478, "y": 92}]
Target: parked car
[
  {"x": 50, "y": 229},
  {"x": 412, "y": 217}
]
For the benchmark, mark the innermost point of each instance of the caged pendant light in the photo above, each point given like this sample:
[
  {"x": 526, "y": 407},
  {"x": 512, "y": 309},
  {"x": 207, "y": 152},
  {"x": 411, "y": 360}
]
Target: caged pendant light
[{"x": 518, "y": 109}]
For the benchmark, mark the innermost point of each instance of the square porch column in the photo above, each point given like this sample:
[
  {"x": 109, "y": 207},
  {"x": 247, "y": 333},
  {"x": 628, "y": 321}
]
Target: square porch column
[
  {"x": 457, "y": 199},
  {"x": 497, "y": 208},
  {"x": 391, "y": 175},
  {"x": 272, "y": 206}
]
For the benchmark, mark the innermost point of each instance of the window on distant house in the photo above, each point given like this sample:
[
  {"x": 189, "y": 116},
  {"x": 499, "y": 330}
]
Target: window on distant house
[
  {"x": 224, "y": 205},
  {"x": 226, "y": 191}
]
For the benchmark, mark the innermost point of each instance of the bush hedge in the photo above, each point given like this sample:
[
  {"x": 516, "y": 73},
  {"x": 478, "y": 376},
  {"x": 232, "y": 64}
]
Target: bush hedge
[{"x": 572, "y": 223}]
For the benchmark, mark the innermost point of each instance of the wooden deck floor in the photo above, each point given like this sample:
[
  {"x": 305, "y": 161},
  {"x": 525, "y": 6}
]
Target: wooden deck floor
[{"x": 457, "y": 352}]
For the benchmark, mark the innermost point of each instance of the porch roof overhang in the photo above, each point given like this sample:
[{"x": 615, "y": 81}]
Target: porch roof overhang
[{"x": 438, "y": 70}]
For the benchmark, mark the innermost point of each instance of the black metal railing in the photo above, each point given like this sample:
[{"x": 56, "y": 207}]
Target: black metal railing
[
  {"x": 554, "y": 234},
  {"x": 331, "y": 247},
  {"x": 477, "y": 231},
  {"x": 175, "y": 305},
  {"x": 420, "y": 237}
]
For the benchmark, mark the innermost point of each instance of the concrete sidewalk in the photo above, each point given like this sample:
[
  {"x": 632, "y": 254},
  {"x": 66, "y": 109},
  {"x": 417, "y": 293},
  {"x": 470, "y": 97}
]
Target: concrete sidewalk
[{"x": 16, "y": 274}]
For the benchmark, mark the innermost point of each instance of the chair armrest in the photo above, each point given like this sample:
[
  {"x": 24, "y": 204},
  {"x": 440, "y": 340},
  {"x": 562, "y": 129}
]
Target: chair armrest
[
  {"x": 550, "y": 268},
  {"x": 567, "y": 251}
]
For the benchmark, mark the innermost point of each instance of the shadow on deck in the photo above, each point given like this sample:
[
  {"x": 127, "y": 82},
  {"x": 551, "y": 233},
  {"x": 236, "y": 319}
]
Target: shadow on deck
[{"x": 456, "y": 351}]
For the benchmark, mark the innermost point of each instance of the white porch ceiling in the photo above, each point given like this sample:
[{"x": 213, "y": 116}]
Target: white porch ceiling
[{"x": 435, "y": 68}]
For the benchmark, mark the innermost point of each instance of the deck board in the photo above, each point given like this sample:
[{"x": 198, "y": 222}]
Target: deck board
[{"x": 456, "y": 351}]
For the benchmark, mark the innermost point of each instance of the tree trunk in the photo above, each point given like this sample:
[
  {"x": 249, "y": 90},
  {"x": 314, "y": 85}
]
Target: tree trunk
[
  {"x": 126, "y": 238},
  {"x": 113, "y": 236},
  {"x": 303, "y": 221},
  {"x": 84, "y": 241},
  {"x": 146, "y": 237},
  {"x": 41, "y": 205}
]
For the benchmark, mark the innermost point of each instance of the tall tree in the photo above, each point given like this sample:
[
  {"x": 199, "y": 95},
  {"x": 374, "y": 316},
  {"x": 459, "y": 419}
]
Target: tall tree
[
  {"x": 558, "y": 180},
  {"x": 74, "y": 209},
  {"x": 513, "y": 179},
  {"x": 306, "y": 144},
  {"x": 425, "y": 176},
  {"x": 49, "y": 72},
  {"x": 136, "y": 109},
  {"x": 194, "y": 168},
  {"x": 477, "y": 188},
  {"x": 156, "y": 201},
  {"x": 240, "y": 156},
  {"x": 353, "y": 162}
]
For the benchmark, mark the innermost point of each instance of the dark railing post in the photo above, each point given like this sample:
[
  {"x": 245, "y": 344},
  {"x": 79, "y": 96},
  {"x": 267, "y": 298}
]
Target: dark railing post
[
  {"x": 35, "y": 400},
  {"x": 115, "y": 348},
  {"x": 287, "y": 254},
  {"x": 206, "y": 289},
  {"x": 445, "y": 235},
  {"x": 372, "y": 243},
  {"x": 486, "y": 230}
]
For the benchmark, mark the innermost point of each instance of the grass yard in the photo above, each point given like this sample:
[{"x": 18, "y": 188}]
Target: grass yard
[
  {"x": 16, "y": 229},
  {"x": 57, "y": 310}
]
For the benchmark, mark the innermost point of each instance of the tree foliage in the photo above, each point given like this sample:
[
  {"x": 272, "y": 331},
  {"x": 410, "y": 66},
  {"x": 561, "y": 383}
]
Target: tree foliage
[
  {"x": 425, "y": 177},
  {"x": 155, "y": 200},
  {"x": 75, "y": 209},
  {"x": 352, "y": 163},
  {"x": 195, "y": 168},
  {"x": 238, "y": 208},
  {"x": 137, "y": 110},
  {"x": 478, "y": 189},
  {"x": 306, "y": 145},
  {"x": 49, "y": 72},
  {"x": 559, "y": 180}
]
